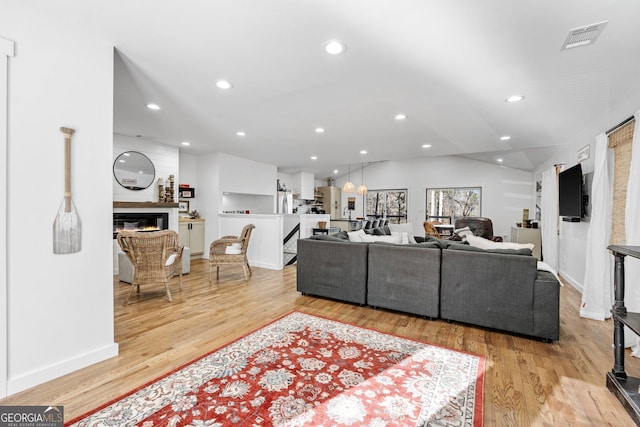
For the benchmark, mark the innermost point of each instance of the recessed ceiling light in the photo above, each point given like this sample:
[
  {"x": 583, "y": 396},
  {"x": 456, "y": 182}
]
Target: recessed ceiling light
[
  {"x": 514, "y": 98},
  {"x": 140, "y": 171},
  {"x": 401, "y": 116},
  {"x": 335, "y": 171},
  {"x": 127, "y": 154},
  {"x": 499, "y": 160},
  {"x": 363, "y": 151},
  {"x": 314, "y": 157},
  {"x": 505, "y": 138},
  {"x": 153, "y": 106},
  {"x": 319, "y": 130},
  {"x": 335, "y": 47},
  {"x": 241, "y": 133},
  {"x": 223, "y": 84},
  {"x": 122, "y": 161},
  {"x": 426, "y": 145},
  {"x": 185, "y": 143}
]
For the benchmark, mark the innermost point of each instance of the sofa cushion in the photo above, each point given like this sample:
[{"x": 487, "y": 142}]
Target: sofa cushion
[
  {"x": 483, "y": 243},
  {"x": 404, "y": 278},
  {"x": 444, "y": 243},
  {"x": 341, "y": 235},
  {"x": 403, "y": 228},
  {"x": 504, "y": 251},
  {"x": 395, "y": 238},
  {"x": 381, "y": 231},
  {"x": 331, "y": 238}
]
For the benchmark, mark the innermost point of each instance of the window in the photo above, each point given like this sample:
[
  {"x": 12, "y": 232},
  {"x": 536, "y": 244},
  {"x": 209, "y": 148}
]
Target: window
[
  {"x": 448, "y": 203},
  {"x": 390, "y": 204}
]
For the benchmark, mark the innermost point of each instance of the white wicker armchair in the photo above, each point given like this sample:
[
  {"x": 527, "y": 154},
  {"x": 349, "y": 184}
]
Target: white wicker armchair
[{"x": 231, "y": 250}]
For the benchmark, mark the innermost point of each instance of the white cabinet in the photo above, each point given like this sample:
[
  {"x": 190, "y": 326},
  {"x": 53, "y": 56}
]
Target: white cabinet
[
  {"x": 528, "y": 235},
  {"x": 332, "y": 201},
  {"x": 303, "y": 184},
  {"x": 191, "y": 234}
]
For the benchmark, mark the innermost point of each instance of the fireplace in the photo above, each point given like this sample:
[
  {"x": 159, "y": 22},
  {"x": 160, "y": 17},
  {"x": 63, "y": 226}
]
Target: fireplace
[{"x": 140, "y": 221}]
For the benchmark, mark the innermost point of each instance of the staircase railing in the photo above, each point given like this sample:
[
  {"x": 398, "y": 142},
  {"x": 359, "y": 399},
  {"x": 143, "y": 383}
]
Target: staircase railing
[{"x": 290, "y": 246}]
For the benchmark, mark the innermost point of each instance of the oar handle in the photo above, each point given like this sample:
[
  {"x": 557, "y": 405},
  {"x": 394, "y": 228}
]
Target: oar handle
[{"x": 68, "y": 132}]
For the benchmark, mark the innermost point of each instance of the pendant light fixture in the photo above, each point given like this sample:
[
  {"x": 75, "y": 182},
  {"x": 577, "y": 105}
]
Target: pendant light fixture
[
  {"x": 362, "y": 189},
  {"x": 349, "y": 187}
]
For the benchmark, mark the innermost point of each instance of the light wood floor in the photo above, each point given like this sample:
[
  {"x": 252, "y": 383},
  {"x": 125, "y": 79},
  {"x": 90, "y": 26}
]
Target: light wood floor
[{"x": 527, "y": 381}]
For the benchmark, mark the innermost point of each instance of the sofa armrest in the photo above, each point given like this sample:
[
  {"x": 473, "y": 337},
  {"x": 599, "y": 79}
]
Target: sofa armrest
[
  {"x": 488, "y": 289},
  {"x": 546, "y": 308}
]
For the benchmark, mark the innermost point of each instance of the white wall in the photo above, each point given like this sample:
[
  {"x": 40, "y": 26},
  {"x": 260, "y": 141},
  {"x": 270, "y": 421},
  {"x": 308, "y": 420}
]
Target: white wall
[
  {"x": 505, "y": 192},
  {"x": 188, "y": 170},
  {"x": 238, "y": 175},
  {"x": 59, "y": 307},
  {"x": 218, "y": 173},
  {"x": 572, "y": 240}
]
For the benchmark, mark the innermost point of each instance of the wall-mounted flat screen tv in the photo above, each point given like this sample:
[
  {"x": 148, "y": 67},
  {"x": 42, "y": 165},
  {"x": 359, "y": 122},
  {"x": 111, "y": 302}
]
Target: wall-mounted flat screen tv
[{"x": 570, "y": 192}]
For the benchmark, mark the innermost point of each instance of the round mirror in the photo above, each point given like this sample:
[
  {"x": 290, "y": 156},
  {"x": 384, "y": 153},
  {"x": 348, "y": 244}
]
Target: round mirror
[{"x": 134, "y": 170}]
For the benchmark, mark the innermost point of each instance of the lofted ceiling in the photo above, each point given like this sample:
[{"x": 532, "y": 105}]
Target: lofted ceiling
[{"x": 447, "y": 65}]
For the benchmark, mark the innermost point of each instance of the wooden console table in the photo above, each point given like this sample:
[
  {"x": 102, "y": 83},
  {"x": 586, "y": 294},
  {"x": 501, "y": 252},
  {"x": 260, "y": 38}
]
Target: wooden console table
[{"x": 625, "y": 388}]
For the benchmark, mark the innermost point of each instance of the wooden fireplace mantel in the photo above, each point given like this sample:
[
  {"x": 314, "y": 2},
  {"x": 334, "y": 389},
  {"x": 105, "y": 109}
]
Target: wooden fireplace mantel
[{"x": 144, "y": 205}]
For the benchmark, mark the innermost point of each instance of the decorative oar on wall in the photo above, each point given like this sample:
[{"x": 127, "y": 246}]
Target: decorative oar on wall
[{"x": 66, "y": 227}]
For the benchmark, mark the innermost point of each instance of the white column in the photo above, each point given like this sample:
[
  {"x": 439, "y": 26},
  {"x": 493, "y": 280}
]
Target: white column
[{"x": 6, "y": 51}]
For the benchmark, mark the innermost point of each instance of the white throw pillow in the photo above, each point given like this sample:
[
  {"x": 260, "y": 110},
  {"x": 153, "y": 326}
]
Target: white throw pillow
[
  {"x": 465, "y": 231},
  {"x": 170, "y": 260},
  {"x": 394, "y": 238},
  {"x": 404, "y": 228},
  {"x": 356, "y": 236},
  {"x": 404, "y": 237},
  {"x": 482, "y": 243},
  {"x": 231, "y": 250}
]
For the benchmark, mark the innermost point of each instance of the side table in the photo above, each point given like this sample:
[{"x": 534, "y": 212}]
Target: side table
[{"x": 625, "y": 388}]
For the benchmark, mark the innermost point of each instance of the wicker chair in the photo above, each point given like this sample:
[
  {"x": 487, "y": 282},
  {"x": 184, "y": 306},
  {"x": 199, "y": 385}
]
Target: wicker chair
[
  {"x": 156, "y": 257},
  {"x": 430, "y": 229},
  {"x": 219, "y": 254}
]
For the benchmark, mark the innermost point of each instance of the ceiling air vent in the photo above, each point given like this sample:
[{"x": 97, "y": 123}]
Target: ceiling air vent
[{"x": 583, "y": 36}]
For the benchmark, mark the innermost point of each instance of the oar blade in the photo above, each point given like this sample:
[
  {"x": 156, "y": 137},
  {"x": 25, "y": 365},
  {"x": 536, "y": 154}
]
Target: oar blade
[{"x": 66, "y": 231}]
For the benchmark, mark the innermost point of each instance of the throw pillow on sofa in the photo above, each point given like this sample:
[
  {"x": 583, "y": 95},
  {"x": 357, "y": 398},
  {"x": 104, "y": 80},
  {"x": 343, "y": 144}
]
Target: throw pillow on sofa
[
  {"x": 403, "y": 228},
  {"x": 504, "y": 251},
  {"x": 404, "y": 237},
  {"x": 356, "y": 236},
  {"x": 394, "y": 238},
  {"x": 482, "y": 243}
]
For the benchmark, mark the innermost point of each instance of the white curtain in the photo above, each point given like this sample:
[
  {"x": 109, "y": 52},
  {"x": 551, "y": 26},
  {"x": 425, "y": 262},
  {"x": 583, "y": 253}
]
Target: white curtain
[
  {"x": 549, "y": 217},
  {"x": 632, "y": 231},
  {"x": 597, "y": 294}
]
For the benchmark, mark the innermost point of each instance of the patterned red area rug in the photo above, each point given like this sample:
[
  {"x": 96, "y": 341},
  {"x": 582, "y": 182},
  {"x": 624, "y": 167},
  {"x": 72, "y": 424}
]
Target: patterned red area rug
[{"x": 307, "y": 370}]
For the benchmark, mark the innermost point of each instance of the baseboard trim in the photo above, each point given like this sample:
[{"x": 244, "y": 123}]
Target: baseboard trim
[
  {"x": 571, "y": 280},
  {"x": 268, "y": 266},
  {"x": 31, "y": 379}
]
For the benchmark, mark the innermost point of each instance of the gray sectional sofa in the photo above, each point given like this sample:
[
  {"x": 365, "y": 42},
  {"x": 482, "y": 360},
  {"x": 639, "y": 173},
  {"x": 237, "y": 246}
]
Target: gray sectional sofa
[{"x": 499, "y": 289}]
